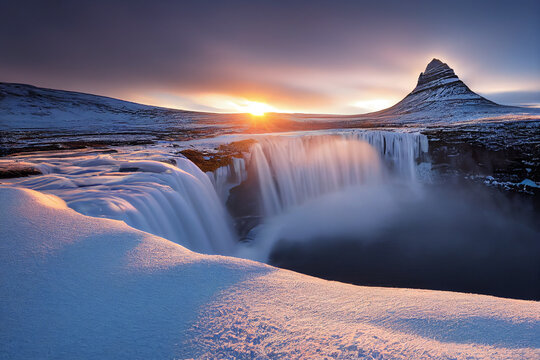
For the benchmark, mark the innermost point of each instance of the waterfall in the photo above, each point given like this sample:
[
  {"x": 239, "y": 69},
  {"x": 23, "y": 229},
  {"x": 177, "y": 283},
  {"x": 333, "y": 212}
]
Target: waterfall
[
  {"x": 293, "y": 169},
  {"x": 185, "y": 205},
  {"x": 227, "y": 177},
  {"x": 176, "y": 202}
]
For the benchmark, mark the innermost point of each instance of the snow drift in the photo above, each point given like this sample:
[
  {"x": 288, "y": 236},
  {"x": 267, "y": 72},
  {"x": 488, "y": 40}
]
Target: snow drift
[{"x": 73, "y": 286}]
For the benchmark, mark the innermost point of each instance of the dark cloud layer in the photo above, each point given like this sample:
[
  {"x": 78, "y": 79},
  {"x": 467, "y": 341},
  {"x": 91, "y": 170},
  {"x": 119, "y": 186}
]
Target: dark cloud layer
[{"x": 311, "y": 55}]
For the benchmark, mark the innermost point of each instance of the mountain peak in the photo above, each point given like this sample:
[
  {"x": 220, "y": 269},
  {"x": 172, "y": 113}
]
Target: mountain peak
[
  {"x": 437, "y": 73},
  {"x": 439, "y": 91},
  {"x": 434, "y": 64}
]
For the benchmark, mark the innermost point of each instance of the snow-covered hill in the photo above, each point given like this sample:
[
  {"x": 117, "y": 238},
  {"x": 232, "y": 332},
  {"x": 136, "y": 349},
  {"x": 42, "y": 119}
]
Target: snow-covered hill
[
  {"x": 39, "y": 118},
  {"x": 73, "y": 286},
  {"x": 438, "y": 89},
  {"x": 44, "y": 119},
  {"x": 29, "y": 107},
  {"x": 440, "y": 96}
]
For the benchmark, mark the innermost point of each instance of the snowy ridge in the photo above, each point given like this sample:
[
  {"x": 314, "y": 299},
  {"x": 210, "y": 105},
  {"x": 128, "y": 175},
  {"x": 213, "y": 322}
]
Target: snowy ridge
[
  {"x": 96, "y": 288},
  {"x": 26, "y": 107}
]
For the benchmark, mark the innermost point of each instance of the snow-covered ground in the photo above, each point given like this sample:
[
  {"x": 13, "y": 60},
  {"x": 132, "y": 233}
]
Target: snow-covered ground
[
  {"x": 73, "y": 286},
  {"x": 31, "y": 116}
]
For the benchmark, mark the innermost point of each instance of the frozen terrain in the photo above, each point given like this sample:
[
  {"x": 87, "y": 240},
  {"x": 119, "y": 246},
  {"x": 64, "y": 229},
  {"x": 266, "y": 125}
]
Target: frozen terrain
[
  {"x": 74, "y": 286},
  {"x": 129, "y": 231},
  {"x": 26, "y": 107},
  {"x": 32, "y": 117}
]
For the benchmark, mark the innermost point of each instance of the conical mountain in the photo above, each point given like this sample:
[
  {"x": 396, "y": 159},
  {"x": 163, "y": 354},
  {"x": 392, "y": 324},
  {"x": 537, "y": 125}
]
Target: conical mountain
[{"x": 439, "y": 90}]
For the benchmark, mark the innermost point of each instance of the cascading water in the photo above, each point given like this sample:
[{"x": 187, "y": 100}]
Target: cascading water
[
  {"x": 342, "y": 205},
  {"x": 182, "y": 204},
  {"x": 293, "y": 169},
  {"x": 178, "y": 203},
  {"x": 333, "y": 170},
  {"x": 227, "y": 177}
]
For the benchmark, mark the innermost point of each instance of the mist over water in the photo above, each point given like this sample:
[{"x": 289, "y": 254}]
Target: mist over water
[
  {"x": 366, "y": 218},
  {"x": 466, "y": 240}
]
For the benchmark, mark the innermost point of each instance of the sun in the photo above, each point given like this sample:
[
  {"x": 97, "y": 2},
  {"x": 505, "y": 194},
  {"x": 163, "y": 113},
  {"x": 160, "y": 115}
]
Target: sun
[
  {"x": 257, "y": 111},
  {"x": 254, "y": 108}
]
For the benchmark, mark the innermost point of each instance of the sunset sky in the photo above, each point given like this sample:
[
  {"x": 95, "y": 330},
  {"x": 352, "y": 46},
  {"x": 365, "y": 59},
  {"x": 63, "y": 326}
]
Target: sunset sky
[{"x": 294, "y": 56}]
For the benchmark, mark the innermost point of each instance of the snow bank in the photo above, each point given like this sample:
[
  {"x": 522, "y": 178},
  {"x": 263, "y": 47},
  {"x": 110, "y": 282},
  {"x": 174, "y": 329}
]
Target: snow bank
[{"x": 73, "y": 286}]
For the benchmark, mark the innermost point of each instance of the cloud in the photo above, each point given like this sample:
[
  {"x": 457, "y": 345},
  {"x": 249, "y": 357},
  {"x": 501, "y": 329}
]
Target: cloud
[{"x": 302, "y": 55}]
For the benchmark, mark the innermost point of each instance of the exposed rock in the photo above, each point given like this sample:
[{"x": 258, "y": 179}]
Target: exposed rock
[
  {"x": 503, "y": 155},
  {"x": 211, "y": 161},
  {"x": 14, "y": 169},
  {"x": 437, "y": 73}
]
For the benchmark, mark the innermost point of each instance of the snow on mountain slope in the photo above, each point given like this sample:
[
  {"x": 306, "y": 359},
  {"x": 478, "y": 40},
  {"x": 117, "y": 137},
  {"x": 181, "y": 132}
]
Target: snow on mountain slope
[
  {"x": 73, "y": 286},
  {"x": 26, "y": 107},
  {"x": 438, "y": 85},
  {"x": 440, "y": 96}
]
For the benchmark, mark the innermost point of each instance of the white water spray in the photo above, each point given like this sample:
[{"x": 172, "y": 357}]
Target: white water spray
[{"x": 292, "y": 170}]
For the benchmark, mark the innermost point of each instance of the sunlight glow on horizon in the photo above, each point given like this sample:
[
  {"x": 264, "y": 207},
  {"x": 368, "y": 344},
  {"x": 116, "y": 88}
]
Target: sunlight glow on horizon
[
  {"x": 253, "y": 107},
  {"x": 374, "y": 104},
  {"x": 221, "y": 103},
  {"x": 347, "y": 92}
]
